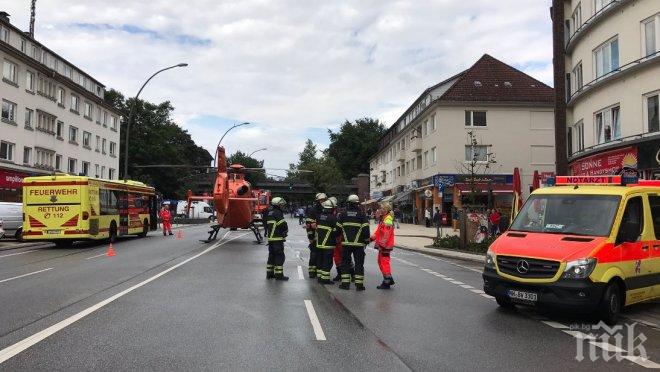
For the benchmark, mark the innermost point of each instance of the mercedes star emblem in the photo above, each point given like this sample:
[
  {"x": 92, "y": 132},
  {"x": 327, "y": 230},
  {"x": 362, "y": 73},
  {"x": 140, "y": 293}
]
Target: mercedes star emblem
[{"x": 522, "y": 266}]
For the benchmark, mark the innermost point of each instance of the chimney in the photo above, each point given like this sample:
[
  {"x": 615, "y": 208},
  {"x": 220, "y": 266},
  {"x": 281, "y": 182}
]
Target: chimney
[{"x": 4, "y": 16}]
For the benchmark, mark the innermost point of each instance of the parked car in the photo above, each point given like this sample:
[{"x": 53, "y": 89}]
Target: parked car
[
  {"x": 2, "y": 231},
  {"x": 12, "y": 216}
]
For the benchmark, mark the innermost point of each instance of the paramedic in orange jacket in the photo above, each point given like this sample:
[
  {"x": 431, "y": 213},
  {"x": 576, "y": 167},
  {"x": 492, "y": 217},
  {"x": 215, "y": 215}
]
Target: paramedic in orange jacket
[
  {"x": 166, "y": 216},
  {"x": 383, "y": 239}
]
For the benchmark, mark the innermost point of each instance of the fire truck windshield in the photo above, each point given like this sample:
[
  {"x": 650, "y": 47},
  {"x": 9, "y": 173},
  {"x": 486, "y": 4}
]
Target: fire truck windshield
[{"x": 590, "y": 215}]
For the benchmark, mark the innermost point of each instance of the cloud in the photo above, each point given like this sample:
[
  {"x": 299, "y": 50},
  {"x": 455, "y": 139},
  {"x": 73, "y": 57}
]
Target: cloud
[{"x": 293, "y": 68}]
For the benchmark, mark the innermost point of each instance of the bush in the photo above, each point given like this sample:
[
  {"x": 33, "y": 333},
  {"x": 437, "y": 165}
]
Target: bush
[{"x": 453, "y": 242}]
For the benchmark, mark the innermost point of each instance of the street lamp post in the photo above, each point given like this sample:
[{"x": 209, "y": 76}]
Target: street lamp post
[
  {"x": 215, "y": 159},
  {"x": 132, "y": 114},
  {"x": 255, "y": 151}
]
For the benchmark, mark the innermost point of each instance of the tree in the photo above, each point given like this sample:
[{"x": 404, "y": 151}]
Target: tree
[
  {"x": 253, "y": 177},
  {"x": 156, "y": 139},
  {"x": 354, "y": 144},
  {"x": 324, "y": 171}
]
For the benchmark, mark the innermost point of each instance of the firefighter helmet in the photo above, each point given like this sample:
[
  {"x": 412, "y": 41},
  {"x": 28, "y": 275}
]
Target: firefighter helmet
[
  {"x": 328, "y": 204},
  {"x": 333, "y": 200},
  {"x": 278, "y": 201},
  {"x": 353, "y": 199},
  {"x": 321, "y": 196}
]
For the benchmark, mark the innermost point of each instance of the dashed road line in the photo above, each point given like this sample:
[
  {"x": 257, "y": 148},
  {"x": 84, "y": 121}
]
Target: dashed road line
[
  {"x": 300, "y": 273},
  {"x": 98, "y": 255},
  {"x": 316, "y": 325},
  {"x": 16, "y": 254},
  {"x": 552, "y": 324},
  {"x": 24, "y": 275}
]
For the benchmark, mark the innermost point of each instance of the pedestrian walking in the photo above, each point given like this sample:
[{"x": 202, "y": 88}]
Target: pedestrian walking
[
  {"x": 327, "y": 234},
  {"x": 354, "y": 226},
  {"x": 276, "y": 232},
  {"x": 166, "y": 216},
  {"x": 383, "y": 239},
  {"x": 427, "y": 217},
  {"x": 494, "y": 220},
  {"x": 436, "y": 218},
  {"x": 397, "y": 217},
  {"x": 310, "y": 225}
]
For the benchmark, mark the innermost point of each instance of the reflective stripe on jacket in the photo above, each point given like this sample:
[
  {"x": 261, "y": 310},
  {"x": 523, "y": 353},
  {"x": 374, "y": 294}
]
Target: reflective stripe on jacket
[
  {"x": 384, "y": 234},
  {"x": 326, "y": 231},
  {"x": 354, "y": 228},
  {"x": 276, "y": 227}
]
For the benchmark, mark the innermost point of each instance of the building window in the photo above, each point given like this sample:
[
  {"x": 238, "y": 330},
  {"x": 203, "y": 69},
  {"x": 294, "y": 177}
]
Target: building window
[
  {"x": 27, "y": 154},
  {"x": 577, "y": 78},
  {"x": 606, "y": 57},
  {"x": 88, "y": 110},
  {"x": 58, "y": 162},
  {"x": 98, "y": 143},
  {"x": 74, "y": 103},
  {"x": 475, "y": 118},
  {"x": 432, "y": 123},
  {"x": 60, "y": 96},
  {"x": 45, "y": 122},
  {"x": 600, "y": 4},
  {"x": 99, "y": 115},
  {"x": 569, "y": 141},
  {"x": 103, "y": 142},
  {"x": 96, "y": 171},
  {"x": 579, "y": 134},
  {"x": 426, "y": 159},
  {"x": 60, "y": 129},
  {"x": 4, "y": 34},
  {"x": 608, "y": 125},
  {"x": 29, "y": 118},
  {"x": 103, "y": 171},
  {"x": 111, "y": 174},
  {"x": 8, "y": 111},
  {"x": 113, "y": 149},
  {"x": 85, "y": 168},
  {"x": 113, "y": 126},
  {"x": 652, "y": 113},
  {"x": 29, "y": 81},
  {"x": 72, "y": 166},
  {"x": 9, "y": 72},
  {"x": 6, "y": 151},
  {"x": 105, "y": 119},
  {"x": 576, "y": 18},
  {"x": 433, "y": 156},
  {"x": 44, "y": 158},
  {"x": 73, "y": 135},
  {"x": 87, "y": 140},
  {"x": 476, "y": 153},
  {"x": 650, "y": 35}
]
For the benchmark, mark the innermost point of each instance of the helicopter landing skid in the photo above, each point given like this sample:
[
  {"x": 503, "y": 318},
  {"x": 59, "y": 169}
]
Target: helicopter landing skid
[
  {"x": 213, "y": 234},
  {"x": 256, "y": 232}
]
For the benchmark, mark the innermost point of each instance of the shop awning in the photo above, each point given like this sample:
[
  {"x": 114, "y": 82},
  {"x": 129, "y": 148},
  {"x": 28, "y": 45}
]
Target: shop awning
[
  {"x": 403, "y": 196},
  {"x": 386, "y": 199},
  {"x": 370, "y": 201},
  {"x": 465, "y": 188}
]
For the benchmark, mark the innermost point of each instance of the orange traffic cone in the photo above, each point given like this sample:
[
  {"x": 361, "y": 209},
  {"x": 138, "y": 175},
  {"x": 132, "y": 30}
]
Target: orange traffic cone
[
  {"x": 111, "y": 251},
  {"x": 179, "y": 234}
]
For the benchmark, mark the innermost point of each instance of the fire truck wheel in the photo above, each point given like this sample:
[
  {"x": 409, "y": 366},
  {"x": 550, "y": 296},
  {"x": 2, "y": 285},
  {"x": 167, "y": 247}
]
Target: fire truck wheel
[
  {"x": 610, "y": 305},
  {"x": 113, "y": 232}
]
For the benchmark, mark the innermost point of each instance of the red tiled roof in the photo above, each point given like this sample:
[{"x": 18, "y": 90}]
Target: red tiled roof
[{"x": 497, "y": 82}]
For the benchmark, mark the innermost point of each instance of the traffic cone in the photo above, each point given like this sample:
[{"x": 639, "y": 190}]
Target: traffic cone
[
  {"x": 179, "y": 234},
  {"x": 111, "y": 251}
]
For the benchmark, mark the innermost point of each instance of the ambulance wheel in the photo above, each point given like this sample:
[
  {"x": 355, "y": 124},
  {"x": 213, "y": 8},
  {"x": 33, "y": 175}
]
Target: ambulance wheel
[
  {"x": 113, "y": 232},
  {"x": 64, "y": 243},
  {"x": 145, "y": 229},
  {"x": 504, "y": 302},
  {"x": 609, "y": 308}
]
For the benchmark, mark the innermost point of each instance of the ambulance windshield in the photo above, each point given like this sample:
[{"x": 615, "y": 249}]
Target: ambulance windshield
[{"x": 590, "y": 215}]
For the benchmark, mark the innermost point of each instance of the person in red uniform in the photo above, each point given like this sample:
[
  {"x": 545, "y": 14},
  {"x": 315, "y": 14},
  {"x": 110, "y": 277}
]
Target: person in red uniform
[
  {"x": 166, "y": 216},
  {"x": 383, "y": 239}
]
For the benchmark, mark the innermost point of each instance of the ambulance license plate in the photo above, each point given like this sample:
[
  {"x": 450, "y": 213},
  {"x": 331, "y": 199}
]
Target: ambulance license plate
[
  {"x": 525, "y": 296},
  {"x": 53, "y": 231}
]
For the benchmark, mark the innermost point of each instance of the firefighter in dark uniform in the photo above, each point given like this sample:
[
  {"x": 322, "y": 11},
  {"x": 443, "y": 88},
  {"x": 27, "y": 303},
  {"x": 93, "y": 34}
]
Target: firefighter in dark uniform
[
  {"x": 310, "y": 225},
  {"x": 354, "y": 227},
  {"x": 327, "y": 234},
  {"x": 276, "y": 232}
]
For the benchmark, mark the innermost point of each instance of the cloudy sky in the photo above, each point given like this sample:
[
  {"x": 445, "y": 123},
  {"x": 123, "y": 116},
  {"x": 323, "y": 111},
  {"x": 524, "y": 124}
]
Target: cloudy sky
[{"x": 293, "y": 68}]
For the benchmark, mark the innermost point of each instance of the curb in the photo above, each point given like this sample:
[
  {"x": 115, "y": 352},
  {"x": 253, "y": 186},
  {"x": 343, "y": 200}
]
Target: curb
[{"x": 445, "y": 253}]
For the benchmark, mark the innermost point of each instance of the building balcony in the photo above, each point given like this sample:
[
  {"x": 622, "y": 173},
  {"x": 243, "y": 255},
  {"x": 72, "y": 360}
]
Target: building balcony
[
  {"x": 609, "y": 9},
  {"x": 401, "y": 157},
  {"x": 416, "y": 144}
]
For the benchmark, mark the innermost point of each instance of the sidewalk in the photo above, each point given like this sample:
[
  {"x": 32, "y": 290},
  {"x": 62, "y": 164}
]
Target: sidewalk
[{"x": 418, "y": 237}]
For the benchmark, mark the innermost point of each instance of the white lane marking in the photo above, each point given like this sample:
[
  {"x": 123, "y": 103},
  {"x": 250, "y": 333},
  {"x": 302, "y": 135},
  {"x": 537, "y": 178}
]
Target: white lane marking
[
  {"x": 457, "y": 282},
  {"x": 467, "y": 286},
  {"x": 477, "y": 291},
  {"x": 485, "y": 295},
  {"x": 644, "y": 362},
  {"x": 22, "y": 345},
  {"x": 318, "y": 331},
  {"x": 554, "y": 324},
  {"x": 450, "y": 262},
  {"x": 448, "y": 278},
  {"x": 16, "y": 254},
  {"x": 300, "y": 272},
  {"x": 24, "y": 275},
  {"x": 98, "y": 255}
]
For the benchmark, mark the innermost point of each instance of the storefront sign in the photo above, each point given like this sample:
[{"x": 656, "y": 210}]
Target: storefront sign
[
  {"x": 451, "y": 179},
  {"x": 649, "y": 155},
  {"x": 11, "y": 180},
  {"x": 620, "y": 161}
]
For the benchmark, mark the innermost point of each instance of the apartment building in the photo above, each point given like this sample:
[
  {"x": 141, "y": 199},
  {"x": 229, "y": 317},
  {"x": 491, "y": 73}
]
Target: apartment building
[
  {"x": 607, "y": 61},
  {"x": 422, "y": 158},
  {"x": 53, "y": 116}
]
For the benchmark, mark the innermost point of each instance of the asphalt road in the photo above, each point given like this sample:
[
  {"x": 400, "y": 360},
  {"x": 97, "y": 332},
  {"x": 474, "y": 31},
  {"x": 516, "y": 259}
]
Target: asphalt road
[{"x": 164, "y": 303}]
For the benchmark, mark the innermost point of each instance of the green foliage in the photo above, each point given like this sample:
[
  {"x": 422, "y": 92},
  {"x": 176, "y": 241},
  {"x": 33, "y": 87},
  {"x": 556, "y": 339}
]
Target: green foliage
[
  {"x": 453, "y": 242},
  {"x": 324, "y": 169},
  {"x": 354, "y": 144},
  {"x": 254, "y": 176},
  {"x": 156, "y": 139}
]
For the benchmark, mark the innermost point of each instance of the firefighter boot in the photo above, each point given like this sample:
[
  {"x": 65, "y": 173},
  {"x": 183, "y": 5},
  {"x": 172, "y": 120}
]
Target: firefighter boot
[
  {"x": 279, "y": 273},
  {"x": 270, "y": 274},
  {"x": 337, "y": 278},
  {"x": 359, "y": 287},
  {"x": 385, "y": 284}
]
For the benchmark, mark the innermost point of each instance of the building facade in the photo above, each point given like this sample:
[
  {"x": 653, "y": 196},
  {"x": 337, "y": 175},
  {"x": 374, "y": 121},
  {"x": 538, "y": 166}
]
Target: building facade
[
  {"x": 424, "y": 157},
  {"x": 54, "y": 118},
  {"x": 607, "y": 57}
]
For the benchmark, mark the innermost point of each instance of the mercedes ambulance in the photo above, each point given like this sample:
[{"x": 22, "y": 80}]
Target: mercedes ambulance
[{"x": 587, "y": 245}]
